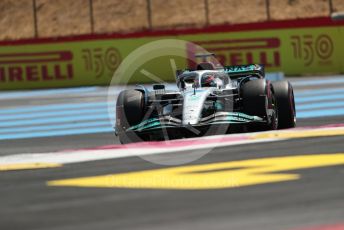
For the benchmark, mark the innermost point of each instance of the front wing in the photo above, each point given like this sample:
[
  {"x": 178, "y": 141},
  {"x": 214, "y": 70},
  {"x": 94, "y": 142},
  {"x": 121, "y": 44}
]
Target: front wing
[{"x": 217, "y": 120}]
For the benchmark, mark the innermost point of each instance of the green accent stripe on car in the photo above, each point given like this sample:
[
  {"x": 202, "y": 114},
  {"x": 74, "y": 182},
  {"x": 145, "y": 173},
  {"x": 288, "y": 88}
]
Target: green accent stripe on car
[{"x": 232, "y": 118}]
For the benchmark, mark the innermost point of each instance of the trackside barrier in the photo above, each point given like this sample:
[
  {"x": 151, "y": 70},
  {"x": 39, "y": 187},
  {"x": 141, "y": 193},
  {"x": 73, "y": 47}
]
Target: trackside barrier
[{"x": 295, "y": 47}]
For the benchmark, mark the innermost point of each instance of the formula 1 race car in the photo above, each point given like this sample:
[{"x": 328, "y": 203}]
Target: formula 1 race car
[{"x": 208, "y": 101}]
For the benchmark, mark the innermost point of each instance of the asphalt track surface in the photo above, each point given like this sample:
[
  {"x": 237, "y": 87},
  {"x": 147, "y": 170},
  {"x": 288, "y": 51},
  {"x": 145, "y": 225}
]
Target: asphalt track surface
[{"x": 316, "y": 198}]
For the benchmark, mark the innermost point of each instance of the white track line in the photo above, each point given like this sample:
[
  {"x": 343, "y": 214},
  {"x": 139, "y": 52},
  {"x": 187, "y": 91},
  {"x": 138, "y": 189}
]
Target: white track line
[{"x": 155, "y": 148}]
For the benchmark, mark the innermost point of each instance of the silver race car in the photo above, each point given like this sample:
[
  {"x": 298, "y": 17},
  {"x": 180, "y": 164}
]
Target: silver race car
[{"x": 208, "y": 101}]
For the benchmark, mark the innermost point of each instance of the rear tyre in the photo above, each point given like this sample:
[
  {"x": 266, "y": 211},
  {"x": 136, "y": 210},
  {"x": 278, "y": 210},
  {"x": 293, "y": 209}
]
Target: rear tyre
[
  {"x": 286, "y": 104},
  {"x": 254, "y": 98},
  {"x": 258, "y": 100},
  {"x": 273, "y": 110},
  {"x": 129, "y": 112}
]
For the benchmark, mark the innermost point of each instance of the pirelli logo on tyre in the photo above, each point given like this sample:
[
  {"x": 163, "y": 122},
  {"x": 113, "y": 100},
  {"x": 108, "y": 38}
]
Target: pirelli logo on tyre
[
  {"x": 36, "y": 67},
  {"x": 241, "y": 51}
]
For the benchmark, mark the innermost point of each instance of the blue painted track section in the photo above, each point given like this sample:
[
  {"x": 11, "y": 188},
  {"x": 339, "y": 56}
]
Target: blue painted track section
[{"x": 75, "y": 111}]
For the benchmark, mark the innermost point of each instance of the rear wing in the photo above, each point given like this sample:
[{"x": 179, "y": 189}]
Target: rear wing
[
  {"x": 245, "y": 69},
  {"x": 233, "y": 70}
]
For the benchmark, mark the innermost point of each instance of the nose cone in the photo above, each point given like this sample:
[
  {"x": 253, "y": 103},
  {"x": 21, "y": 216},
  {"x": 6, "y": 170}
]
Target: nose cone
[{"x": 193, "y": 105}]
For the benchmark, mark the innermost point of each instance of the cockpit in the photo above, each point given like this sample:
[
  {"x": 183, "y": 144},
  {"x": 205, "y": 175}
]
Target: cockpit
[{"x": 201, "y": 79}]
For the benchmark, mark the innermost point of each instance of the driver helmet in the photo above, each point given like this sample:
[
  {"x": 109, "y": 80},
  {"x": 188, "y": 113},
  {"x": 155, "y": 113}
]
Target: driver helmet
[{"x": 208, "y": 80}]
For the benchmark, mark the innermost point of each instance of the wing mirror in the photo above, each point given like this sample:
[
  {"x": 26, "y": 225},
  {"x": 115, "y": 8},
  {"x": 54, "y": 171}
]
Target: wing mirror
[{"x": 158, "y": 87}]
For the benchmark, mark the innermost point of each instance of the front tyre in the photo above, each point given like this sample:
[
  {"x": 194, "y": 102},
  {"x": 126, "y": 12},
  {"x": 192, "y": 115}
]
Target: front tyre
[{"x": 129, "y": 112}]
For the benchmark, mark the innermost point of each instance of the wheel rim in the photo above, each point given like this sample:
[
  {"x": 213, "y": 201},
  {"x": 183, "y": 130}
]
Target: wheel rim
[
  {"x": 275, "y": 113},
  {"x": 292, "y": 103}
]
